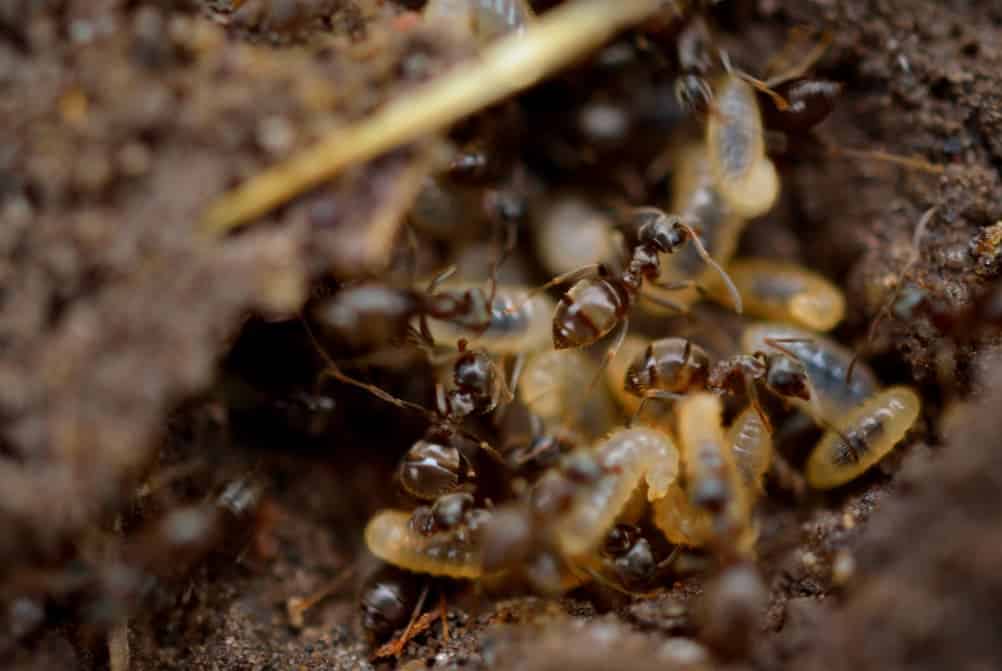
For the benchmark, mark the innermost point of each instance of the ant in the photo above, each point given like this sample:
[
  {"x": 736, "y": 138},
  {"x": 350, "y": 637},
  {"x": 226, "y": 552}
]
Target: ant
[
  {"x": 594, "y": 306},
  {"x": 781, "y": 372},
  {"x": 378, "y": 316},
  {"x": 435, "y": 464},
  {"x": 666, "y": 369}
]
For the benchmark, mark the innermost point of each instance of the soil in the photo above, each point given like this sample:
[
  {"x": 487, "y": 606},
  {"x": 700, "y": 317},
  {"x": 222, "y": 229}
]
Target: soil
[{"x": 146, "y": 371}]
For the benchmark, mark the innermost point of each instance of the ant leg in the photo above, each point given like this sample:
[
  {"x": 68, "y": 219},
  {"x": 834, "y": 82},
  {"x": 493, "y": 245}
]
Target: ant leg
[
  {"x": 844, "y": 439},
  {"x": 871, "y": 332},
  {"x": 786, "y": 477},
  {"x": 431, "y": 289},
  {"x": 332, "y": 370},
  {"x": 571, "y": 276},
  {"x": 701, "y": 250},
  {"x": 396, "y": 648},
  {"x": 649, "y": 395},
  {"x": 759, "y": 85},
  {"x": 756, "y": 402},
  {"x": 779, "y": 344},
  {"x": 610, "y": 354},
  {"x": 806, "y": 64},
  {"x": 665, "y": 303},
  {"x": 911, "y": 162},
  {"x": 412, "y": 245},
  {"x": 441, "y": 277}
]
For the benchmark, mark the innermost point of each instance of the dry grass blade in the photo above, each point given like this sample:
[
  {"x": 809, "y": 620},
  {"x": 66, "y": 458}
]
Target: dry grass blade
[{"x": 510, "y": 65}]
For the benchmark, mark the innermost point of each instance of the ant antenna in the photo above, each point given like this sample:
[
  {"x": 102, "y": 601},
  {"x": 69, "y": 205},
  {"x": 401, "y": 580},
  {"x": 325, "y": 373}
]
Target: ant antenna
[
  {"x": 333, "y": 370},
  {"x": 731, "y": 288},
  {"x": 510, "y": 233},
  {"x": 799, "y": 69},
  {"x": 871, "y": 333}
]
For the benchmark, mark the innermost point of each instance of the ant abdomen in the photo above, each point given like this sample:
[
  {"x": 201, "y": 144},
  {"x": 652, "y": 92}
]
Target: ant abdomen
[
  {"x": 862, "y": 437},
  {"x": 809, "y": 102},
  {"x": 588, "y": 311},
  {"x": 670, "y": 364},
  {"x": 787, "y": 292},
  {"x": 387, "y": 601},
  {"x": 431, "y": 468}
]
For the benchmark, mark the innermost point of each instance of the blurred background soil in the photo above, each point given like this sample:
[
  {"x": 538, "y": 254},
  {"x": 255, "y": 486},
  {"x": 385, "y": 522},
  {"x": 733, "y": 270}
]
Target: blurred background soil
[{"x": 123, "y": 119}]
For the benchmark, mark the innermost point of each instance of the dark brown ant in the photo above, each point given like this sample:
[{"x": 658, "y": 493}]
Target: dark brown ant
[
  {"x": 448, "y": 512},
  {"x": 375, "y": 315},
  {"x": 435, "y": 464},
  {"x": 695, "y": 61},
  {"x": 781, "y": 372},
  {"x": 543, "y": 449},
  {"x": 629, "y": 558},
  {"x": 594, "y": 306}
]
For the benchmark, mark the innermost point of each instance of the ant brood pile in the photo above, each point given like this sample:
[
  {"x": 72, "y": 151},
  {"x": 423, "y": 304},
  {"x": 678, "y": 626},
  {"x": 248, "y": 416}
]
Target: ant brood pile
[{"x": 543, "y": 465}]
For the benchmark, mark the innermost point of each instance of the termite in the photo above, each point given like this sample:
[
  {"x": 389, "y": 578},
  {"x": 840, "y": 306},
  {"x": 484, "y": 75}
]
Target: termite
[{"x": 859, "y": 439}]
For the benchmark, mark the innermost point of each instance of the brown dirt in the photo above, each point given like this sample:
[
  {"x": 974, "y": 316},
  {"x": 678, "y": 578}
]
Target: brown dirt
[{"x": 118, "y": 322}]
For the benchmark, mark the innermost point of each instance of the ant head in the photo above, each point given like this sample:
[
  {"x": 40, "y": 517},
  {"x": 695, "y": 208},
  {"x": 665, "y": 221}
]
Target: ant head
[
  {"x": 620, "y": 539},
  {"x": 786, "y": 376},
  {"x": 476, "y": 376},
  {"x": 640, "y": 374},
  {"x": 664, "y": 232}
]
